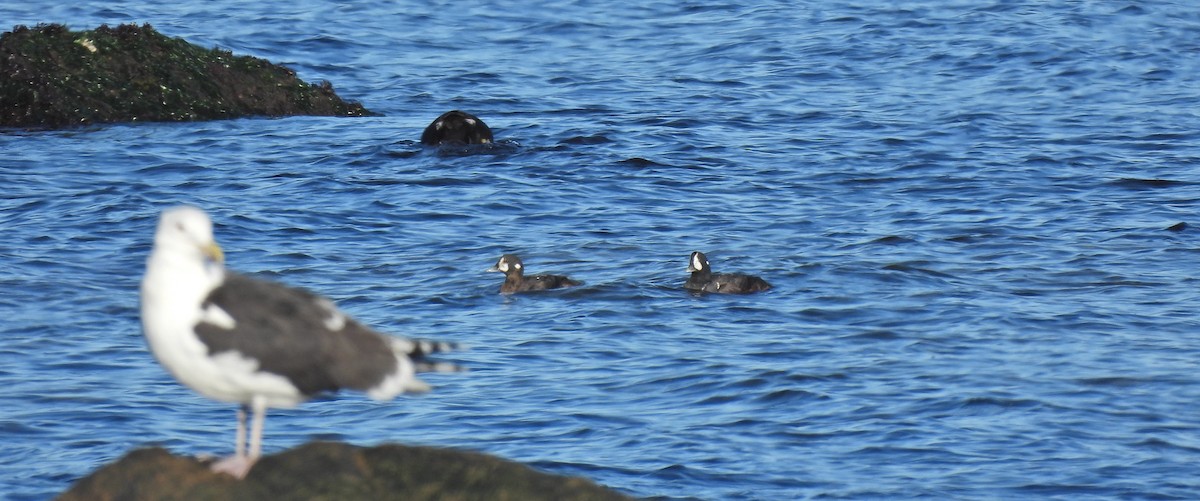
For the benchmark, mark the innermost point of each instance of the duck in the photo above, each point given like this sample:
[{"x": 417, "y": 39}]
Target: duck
[
  {"x": 456, "y": 128},
  {"x": 704, "y": 280},
  {"x": 516, "y": 281}
]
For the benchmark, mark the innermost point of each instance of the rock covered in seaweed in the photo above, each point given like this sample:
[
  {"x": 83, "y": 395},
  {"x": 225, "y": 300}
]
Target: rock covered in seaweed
[
  {"x": 327, "y": 470},
  {"x": 53, "y": 77}
]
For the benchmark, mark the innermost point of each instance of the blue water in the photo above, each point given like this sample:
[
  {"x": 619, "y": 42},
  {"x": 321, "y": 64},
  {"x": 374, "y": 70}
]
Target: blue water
[{"x": 963, "y": 207}]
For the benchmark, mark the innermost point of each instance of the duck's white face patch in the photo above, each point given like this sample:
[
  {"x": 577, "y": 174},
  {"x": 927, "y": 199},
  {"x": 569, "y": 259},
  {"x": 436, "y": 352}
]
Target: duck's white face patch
[
  {"x": 697, "y": 263},
  {"x": 470, "y": 121},
  {"x": 502, "y": 265},
  {"x": 517, "y": 266}
]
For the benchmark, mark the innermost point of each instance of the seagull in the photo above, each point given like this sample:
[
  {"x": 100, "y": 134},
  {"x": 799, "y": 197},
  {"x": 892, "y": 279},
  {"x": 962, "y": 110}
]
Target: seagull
[{"x": 257, "y": 343}]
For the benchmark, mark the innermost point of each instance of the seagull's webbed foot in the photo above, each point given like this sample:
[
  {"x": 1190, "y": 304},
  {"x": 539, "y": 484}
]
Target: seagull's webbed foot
[{"x": 237, "y": 465}]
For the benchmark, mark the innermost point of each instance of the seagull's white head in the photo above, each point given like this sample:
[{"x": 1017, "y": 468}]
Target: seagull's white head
[{"x": 187, "y": 231}]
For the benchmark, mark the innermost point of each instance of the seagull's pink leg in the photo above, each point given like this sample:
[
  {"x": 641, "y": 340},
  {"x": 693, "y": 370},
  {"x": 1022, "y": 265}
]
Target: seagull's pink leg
[{"x": 239, "y": 463}]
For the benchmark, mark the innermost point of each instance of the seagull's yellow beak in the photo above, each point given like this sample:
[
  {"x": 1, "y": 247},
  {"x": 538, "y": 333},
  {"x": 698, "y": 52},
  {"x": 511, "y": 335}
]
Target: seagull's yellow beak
[{"x": 213, "y": 251}]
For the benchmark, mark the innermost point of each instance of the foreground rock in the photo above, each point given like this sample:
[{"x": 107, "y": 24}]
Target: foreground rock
[
  {"x": 53, "y": 77},
  {"x": 325, "y": 470}
]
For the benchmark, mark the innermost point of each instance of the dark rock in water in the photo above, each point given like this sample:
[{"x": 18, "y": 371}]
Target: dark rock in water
[
  {"x": 326, "y": 470},
  {"x": 456, "y": 127},
  {"x": 53, "y": 77}
]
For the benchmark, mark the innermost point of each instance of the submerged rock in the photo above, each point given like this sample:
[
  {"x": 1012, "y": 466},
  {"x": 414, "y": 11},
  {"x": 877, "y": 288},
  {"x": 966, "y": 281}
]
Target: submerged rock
[
  {"x": 53, "y": 77},
  {"x": 327, "y": 470},
  {"x": 456, "y": 128}
]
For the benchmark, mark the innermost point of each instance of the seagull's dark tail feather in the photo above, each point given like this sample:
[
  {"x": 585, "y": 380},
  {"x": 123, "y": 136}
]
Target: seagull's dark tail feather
[{"x": 419, "y": 350}]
